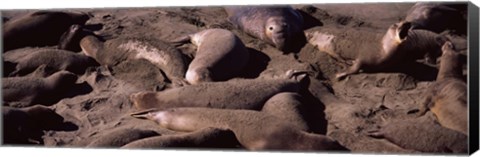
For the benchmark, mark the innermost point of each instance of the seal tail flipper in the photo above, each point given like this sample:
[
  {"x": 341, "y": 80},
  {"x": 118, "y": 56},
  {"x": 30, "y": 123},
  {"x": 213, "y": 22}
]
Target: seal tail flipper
[
  {"x": 375, "y": 133},
  {"x": 144, "y": 114},
  {"x": 180, "y": 40}
]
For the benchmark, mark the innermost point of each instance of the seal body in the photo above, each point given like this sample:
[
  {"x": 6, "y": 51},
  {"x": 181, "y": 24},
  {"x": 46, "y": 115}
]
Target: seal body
[
  {"x": 438, "y": 17},
  {"x": 254, "y": 130},
  {"x": 114, "y": 51},
  {"x": 120, "y": 137},
  {"x": 422, "y": 134},
  {"x": 447, "y": 97},
  {"x": 203, "y": 138},
  {"x": 275, "y": 25},
  {"x": 27, "y": 91},
  {"x": 399, "y": 45},
  {"x": 26, "y": 125},
  {"x": 40, "y": 28},
  {"x": 28, "y": 59},
  {"x": 233, "y": 94},
  {"x": 220, "y": 56}
]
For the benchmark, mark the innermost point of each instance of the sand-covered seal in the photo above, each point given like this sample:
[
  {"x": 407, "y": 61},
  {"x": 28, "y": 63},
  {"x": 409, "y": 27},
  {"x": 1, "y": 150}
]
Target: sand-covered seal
[
  {"x": 447, "y": 97},
  {"x": 422, "y": 134},
  {"x": 39, "y": 28},
  {"x": 438, "y": 17},
  {"x": 27, "y": 91},
  {"x": 119, "y": 137},
  {"x": 276, "y": 25},
  {"x": 203, "y": 138},
  {"x": 25, "y": 125},
  {"x": 114, "y": 51},
  {"x": 255, "y": 130},
  {"x": 233, "y": 94},
  {"x": 399, "y": 45},
  {"x": 220, "y": 55},
  {"x": 26, "y": 60}
]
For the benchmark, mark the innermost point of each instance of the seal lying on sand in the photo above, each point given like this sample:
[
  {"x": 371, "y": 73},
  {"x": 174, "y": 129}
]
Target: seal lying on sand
[
  {"x": 437, "y": 17},
  {"x": 275, "y": 25},
  {"x": 26, "y": 60},
  {"x": 24, "y": 125},
  {"x": 27, "y": 91},
  {"x": 203, "y": 138},
  {"x": 120, "y": 137},
  {"x": 399, "y": 45},
  {"x": 233, "y": 94},
  {"x": 220, "y": 56},
  {"x": 40, "y": 28},
  {"x": 114, "y": 51},
  {"x": 422, "y": 134},
  {"x": 254, "y": 130},
  {"x": 447, "y": 97}
]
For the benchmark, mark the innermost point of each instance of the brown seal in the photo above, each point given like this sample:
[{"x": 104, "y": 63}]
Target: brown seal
[
  {"x": 161, "y": 54},
  {"x": 233, "y": 94},
  {"x": 203, "y": 138},
  {"x": 120, "y": 137},
  {"x": 278, "y": 26},
  {"x": 438, "y": 17},
  {"x": 447, "y": 97},
  {"x": 27, "y": 91},
  {"x": 214, "y": 61},
  {"x": 26, "y": 60},
  {"x": 397, "y": 46},
  {"x": 422, "y": 134},
  {"x": 255, "y": 130},
  {"x": 26, "y": 125},
  {"x": 40, "y": 28}
]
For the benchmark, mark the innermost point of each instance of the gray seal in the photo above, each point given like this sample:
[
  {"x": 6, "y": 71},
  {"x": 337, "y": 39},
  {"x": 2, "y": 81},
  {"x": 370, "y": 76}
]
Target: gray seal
[
  {"x": 220, "y": 55},
  {"x": 161, "y": 54},
  {"x": 275, "y": 25},
  {"x": 40, "y": 28}
]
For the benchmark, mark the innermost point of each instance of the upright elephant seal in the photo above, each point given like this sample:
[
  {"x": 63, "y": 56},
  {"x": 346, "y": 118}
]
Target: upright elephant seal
[
  {"x": 25, "y": 125},
  {"x": 233, "y": 94},
  {"x": 438, "y": 17},
  {"x": 397, "y": 46},
  {"x": 220, "y": 55},
  {"x": 161, "y": 54},
  {"x": 254, "y": 130},
  {"x": 27, "y": 91},
  {"x": 278, "y": 26},
  {"x": 40, "y": 28},
  {"x": 447, "y": 97},
  {"x": 28, "y": 59}
]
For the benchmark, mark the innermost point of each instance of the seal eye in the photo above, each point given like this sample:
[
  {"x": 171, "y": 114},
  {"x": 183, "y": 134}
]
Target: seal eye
[{"x": 270, "y": 28}]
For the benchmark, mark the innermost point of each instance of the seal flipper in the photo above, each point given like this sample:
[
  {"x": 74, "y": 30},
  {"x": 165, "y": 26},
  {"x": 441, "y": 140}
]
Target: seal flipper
[
  {"x": 375, "y": 133},
  {"x": 181, "y": 40},
  {"x": 144, "y": 114}
]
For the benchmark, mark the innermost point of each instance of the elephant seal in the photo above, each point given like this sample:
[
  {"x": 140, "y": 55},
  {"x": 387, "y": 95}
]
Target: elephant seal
[
  {"x": 438, "y": 17},
  {"x": 214, "y": 61},
  {"x": 120, "y": 137},
  {"x": 233, "y": 94},
  {"x": 27, "y": 91},
  {"x": 422, "y": 134},
  {"x": 161, "y": 54},
  {"x": 254, "y": 130},
  {"x": 287, "y": 107},
  {"x": 400, "y": 44},
  {"x": 278, "y": 26},
  {"x": 447, "y": 97},
  {"x": 25, "y": 125},
  {"x": 28, "y": 59},
  {"x": 203, "y": 138},
  {"x": 40, "y": 28}
]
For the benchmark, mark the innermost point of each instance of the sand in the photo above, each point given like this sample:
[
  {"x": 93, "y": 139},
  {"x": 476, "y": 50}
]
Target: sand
[{"x": 368, "y": 99}]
